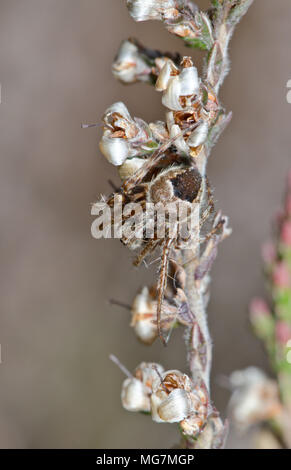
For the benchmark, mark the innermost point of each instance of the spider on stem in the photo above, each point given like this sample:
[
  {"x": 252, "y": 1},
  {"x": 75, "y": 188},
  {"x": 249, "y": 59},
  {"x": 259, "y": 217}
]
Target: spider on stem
[{"x": 166, "y": 177}]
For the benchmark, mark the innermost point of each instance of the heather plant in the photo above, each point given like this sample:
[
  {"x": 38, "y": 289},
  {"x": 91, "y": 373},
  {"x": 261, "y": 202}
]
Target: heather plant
[
  {"x": 257, "y": 399},
  {"x": 165, "y": 163}
]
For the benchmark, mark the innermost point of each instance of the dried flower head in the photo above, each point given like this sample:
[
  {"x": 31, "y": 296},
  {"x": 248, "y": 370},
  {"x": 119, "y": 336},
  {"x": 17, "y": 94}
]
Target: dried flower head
[
  {"x": 255, "y": 397},
  {"x": 130, "y": 65},
  {"x": 136, "y": 391},
  {"x": 189, "y": 101},
  {"x": 144, "y": 312},
  {"x": 144, "y": 315},
  {"x": 175, "y": 399},
  {"x": 179, "y": 87},
  {"x": 175, "y": 309},
  {"x": 124, "y": 137},
  {"x": 136, "y": 63},
  {"x": 142, "y": 10}
]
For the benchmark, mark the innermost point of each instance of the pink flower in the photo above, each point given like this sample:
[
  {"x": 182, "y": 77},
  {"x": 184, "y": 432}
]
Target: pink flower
[
  {"x": 269, "y": 252},
  {"x": 283, "y": 332},
  {"x": 286, "y": 233},
  {"x": 259, "y": 308},
  {"x": 281, "y": 275},
  {"x": 288, "y": 204}
]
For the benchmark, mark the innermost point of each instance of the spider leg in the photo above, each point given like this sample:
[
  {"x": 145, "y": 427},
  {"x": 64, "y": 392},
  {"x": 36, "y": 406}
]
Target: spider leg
[
  {"x": 131, "y": 182},
  {"x": 210, "y": 205},
  {"x": 214, "y": 230},
  {"x": 162, "y": 284},
  {"x": 149, "y": 248}
]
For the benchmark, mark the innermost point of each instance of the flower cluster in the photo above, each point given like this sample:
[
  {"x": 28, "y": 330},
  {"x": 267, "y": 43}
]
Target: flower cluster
[
  {"x": 181, "y": 17},
  {"x": 190, "y": 104},
  {"x": 136, "y": 63},
  {"x": 256, "y": 398},
  {"x": 170, "y": 397},
  {"x": 124, "y": 137},
  {"x": 272, "y": 321},
  {"x": 136, "y": 391}
]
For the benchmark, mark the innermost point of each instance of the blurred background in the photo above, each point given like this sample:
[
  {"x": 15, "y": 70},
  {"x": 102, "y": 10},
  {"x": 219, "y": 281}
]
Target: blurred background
[{"x": 57, "y": 385}]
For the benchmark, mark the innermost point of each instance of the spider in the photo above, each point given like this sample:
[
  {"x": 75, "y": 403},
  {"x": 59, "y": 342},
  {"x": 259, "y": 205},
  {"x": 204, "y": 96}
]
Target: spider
[{"x": 165, "y": 177}]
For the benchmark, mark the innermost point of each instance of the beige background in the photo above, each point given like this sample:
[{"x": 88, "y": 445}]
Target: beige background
[{"x": 57, "y": 386}]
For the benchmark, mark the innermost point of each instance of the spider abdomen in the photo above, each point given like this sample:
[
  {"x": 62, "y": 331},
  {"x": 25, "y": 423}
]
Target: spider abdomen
[{"x": 176, "y": 184}]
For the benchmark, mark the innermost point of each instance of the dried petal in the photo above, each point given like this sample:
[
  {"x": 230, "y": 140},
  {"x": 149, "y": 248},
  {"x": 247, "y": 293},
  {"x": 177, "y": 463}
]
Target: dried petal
[
  {"x": 179, "y": 142},
  {"x": 186, "y": 84},
  {"x": 189, "y": 81},
  {"x": 144, "y": 311},
  {"x": 116, "y": 151},
  {"x": 134, "y": 395},
  {"x": 176, "y": 407},
  {"x": 165, "y": 75},
  {"x": 199, "y": 135},
  {"x": 142, "y": 10},
  {"x": 118, "y": 108},
  {"x": 159, "y": 131},
  {"x": 129, "y": 167}
]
